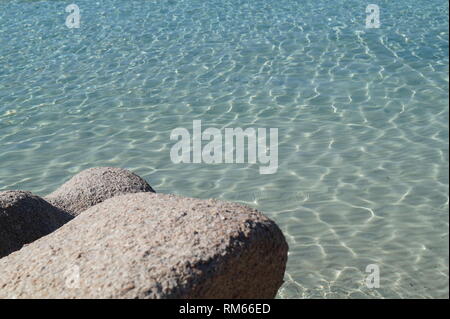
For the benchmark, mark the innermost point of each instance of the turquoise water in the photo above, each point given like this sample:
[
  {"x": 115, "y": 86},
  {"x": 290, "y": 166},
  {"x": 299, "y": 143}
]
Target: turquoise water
[{"x": 362, "y": 116}]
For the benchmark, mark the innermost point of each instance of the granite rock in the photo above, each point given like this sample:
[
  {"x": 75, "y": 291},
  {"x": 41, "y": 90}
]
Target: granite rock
[
  {"x": 25, "y": 217},
  {"x": 149, "y": 245},
  {"x": 94, "y": 185}
]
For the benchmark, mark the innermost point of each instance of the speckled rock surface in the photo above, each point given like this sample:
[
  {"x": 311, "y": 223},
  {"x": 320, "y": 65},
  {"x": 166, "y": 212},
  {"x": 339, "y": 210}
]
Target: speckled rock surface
[
  {"x": 150, "y": 245},
  {"x": 24, "y": 218},
  {"x": 93, "y": 186}
]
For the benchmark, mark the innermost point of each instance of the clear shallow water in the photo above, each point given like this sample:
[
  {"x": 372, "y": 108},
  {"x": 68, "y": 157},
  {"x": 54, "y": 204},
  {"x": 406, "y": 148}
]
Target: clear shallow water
[{"x": 362, "y": 117}]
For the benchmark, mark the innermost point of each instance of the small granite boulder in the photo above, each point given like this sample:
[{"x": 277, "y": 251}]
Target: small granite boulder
[
  {"x": 24, "y": 218},
  {"x": 94, "y": 185},
  {"x": 150, "y": 245}
]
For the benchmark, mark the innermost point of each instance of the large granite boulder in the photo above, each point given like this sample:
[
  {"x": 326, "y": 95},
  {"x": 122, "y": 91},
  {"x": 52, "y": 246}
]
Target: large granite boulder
[
  {"x": 150, "y": 245},
  {"x": 24, "y": 218},
  {"x": 93, "y": 186}
]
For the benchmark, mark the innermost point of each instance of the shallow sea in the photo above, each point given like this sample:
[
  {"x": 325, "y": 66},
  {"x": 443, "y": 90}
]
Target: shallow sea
[{"x": 362, "y": 118}]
